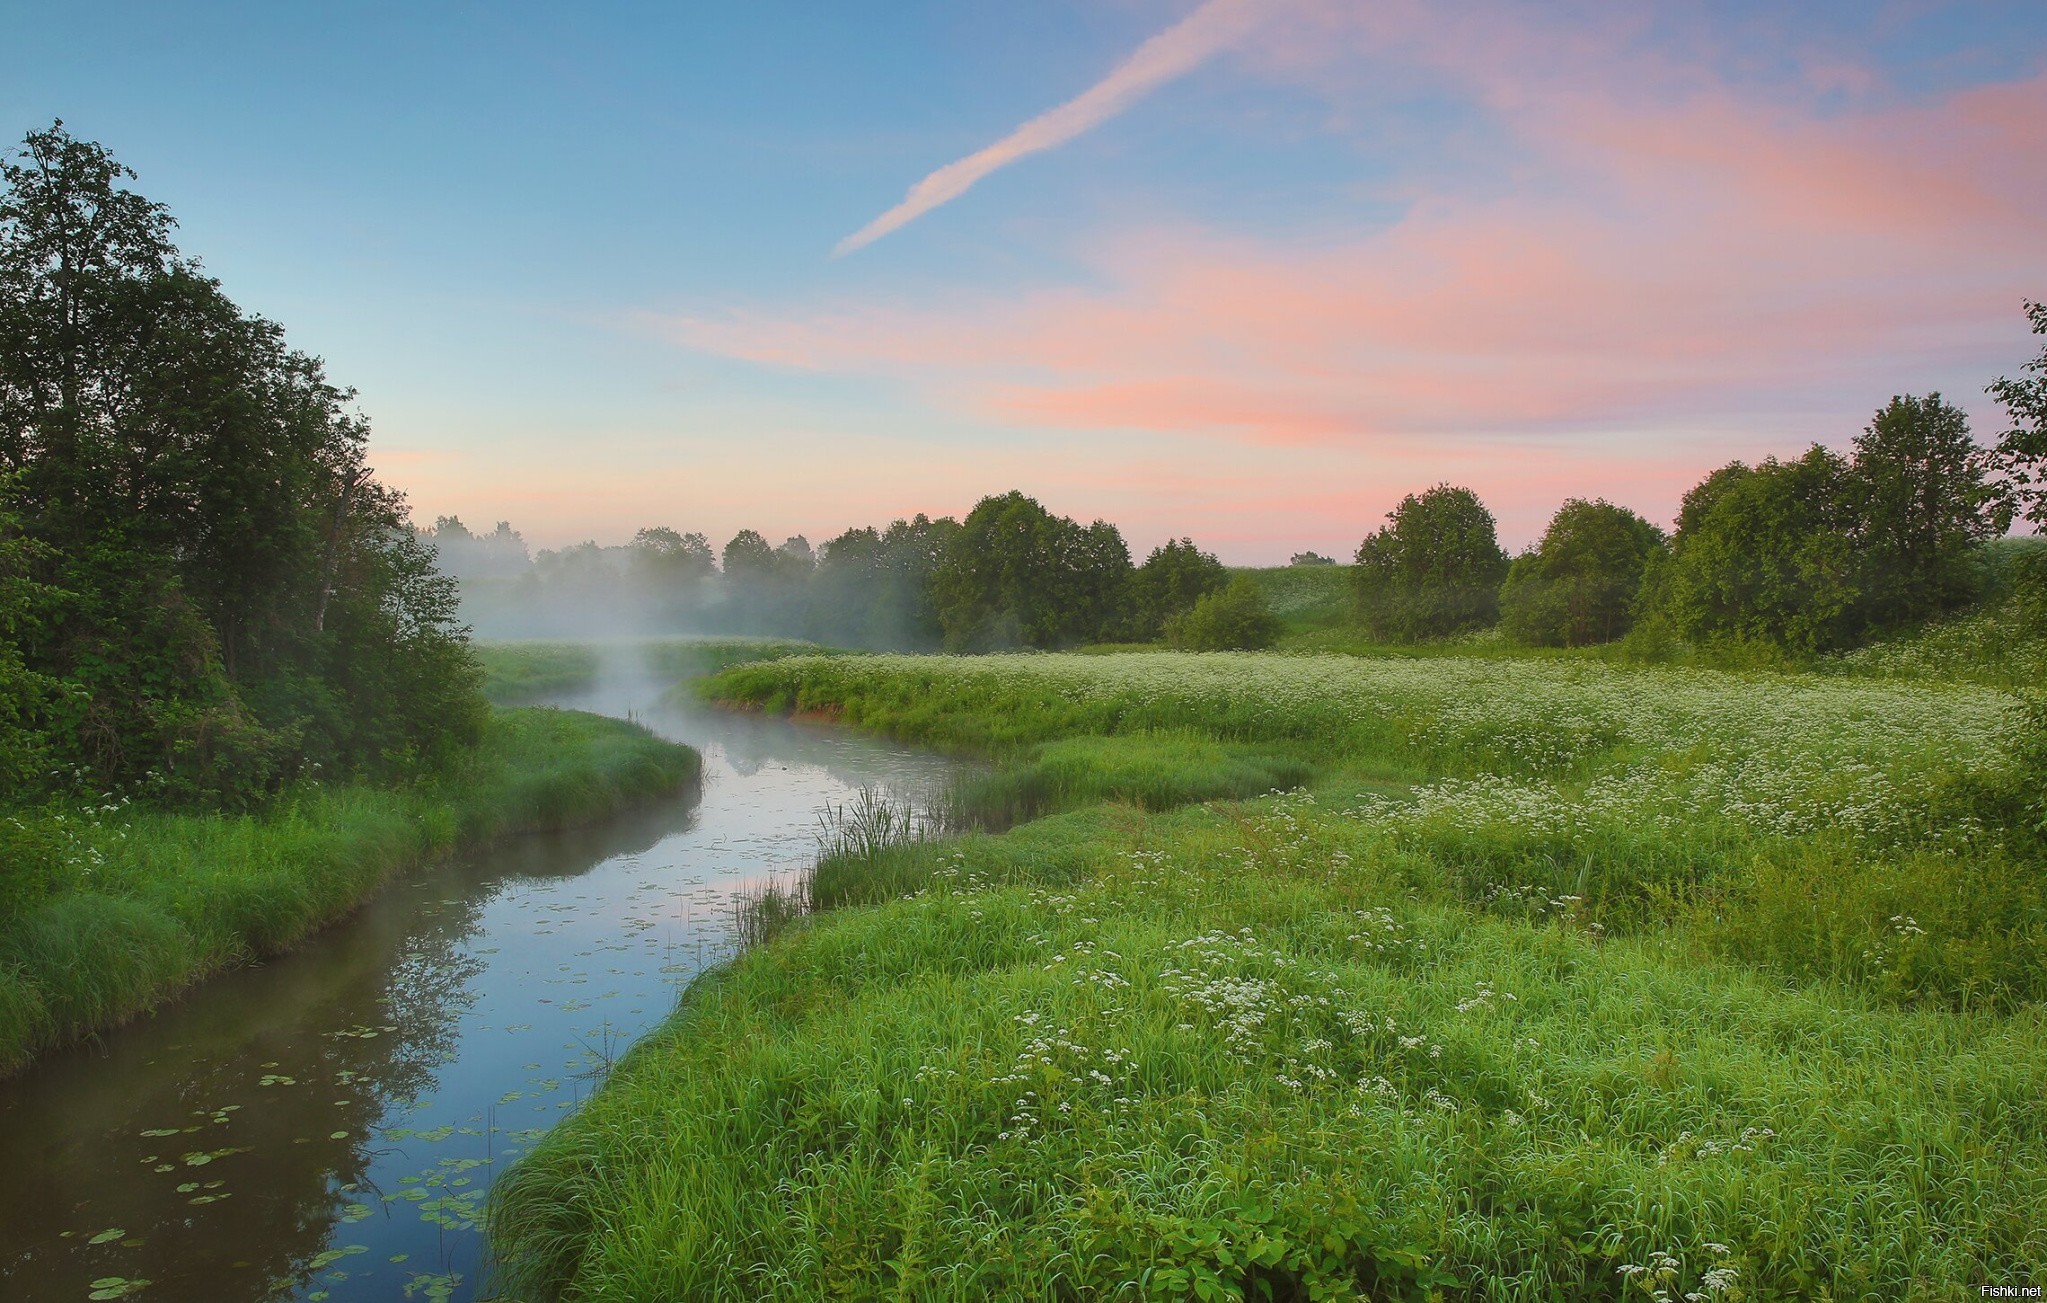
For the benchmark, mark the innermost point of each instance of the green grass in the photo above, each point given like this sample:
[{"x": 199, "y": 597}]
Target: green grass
[
  {"x": 150, "y": 902},
  {"x": 515, "y": 673},
  {"x": 1305, "y": 598},
  {"x": 519, "y": 672},
  {"x": 1551, "y": 967}
]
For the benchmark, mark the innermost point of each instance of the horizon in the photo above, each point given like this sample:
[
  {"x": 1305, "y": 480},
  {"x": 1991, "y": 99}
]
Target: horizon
[{"x": 1244, "y": 272}]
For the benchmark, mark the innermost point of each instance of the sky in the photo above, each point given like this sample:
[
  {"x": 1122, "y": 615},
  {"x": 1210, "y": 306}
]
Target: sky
[{"x": 1244, "y": 270}]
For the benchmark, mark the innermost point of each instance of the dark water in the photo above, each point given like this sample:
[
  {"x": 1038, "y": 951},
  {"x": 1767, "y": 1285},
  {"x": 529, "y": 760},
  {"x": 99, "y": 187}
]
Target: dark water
[{"x": 325, "y": 1126}]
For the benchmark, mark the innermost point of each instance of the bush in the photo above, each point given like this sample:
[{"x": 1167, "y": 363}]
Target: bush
[{"x": 1235, "y": 619}]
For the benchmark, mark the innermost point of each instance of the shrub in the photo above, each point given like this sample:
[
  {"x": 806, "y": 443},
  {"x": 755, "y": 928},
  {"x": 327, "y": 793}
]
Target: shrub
[{"x": 1234, "y": 619}]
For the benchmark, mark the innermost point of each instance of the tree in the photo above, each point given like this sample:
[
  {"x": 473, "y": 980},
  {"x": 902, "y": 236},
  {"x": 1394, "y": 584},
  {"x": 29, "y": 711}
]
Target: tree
[
  {"x": 242, "y": 597},
  {"x": 1433, "y": 570},
  {"x": 1922, "y": 498},
  {"x": 1578, "y": 585},
  {"x": 664, "y": 558},
  {"x": 1172, "y": 579},
  {"x": 749, "y": 558},
  {"x": 1015, "y": 575},
  {"x": 1768, "y": 558},
  {"x": 1233, "y": 618},
  {"x": 2022, "y": 449},
  {"x": 1310, "y": 559}
]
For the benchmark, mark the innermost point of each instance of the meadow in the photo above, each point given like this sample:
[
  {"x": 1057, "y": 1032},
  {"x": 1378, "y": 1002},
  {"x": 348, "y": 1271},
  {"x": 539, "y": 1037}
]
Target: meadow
[
  {"x": 131, "y": 904},
  {"x": 1546, "y": 978}
]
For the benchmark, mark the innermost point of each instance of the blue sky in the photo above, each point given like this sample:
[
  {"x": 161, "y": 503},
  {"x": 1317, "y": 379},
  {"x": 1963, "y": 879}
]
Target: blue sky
[{"x": 579, "y": 261}]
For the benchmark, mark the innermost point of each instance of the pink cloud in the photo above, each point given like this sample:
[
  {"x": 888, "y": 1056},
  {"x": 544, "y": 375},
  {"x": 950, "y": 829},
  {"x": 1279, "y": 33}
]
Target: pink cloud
[{"x": 1657, "y": 258}]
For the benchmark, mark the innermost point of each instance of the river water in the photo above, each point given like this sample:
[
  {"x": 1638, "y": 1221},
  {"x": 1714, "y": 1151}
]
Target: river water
[{"x": 325, "y": 1125}]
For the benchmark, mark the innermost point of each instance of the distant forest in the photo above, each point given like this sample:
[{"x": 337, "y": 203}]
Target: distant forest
[{"x": 1798, "y": 557}]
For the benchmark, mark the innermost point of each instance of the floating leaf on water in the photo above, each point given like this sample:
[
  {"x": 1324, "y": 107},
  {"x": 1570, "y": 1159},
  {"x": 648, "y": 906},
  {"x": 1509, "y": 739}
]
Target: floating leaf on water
[
  {"x": 161, "y": 1131},
  {"x": 115, "y": 1287},
  {"x": 188, "y": 1187},
  {"x": 337, "y": 1135},
  {"x": 107, "y": 1236}
]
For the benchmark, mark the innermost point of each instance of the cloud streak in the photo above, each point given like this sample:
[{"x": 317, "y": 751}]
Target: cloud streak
[{"x": 1172, "y": 53}]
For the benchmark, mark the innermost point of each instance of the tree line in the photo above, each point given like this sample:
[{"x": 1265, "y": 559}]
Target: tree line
[
  {"x": 1806, "y": 556},
  {"x": 1011, "y": 574}
]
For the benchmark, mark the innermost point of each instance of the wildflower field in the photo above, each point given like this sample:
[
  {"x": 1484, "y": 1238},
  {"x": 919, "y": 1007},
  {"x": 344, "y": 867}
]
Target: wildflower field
[{"x": 1545, "y": 979}]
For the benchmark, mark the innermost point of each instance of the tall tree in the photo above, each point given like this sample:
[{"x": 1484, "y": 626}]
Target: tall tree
[
  {"x": 1922, "y": 497},
  {"x": 1578, "y": 585},
  {"x": 2022, "y": 449},
  {"x": 1172, "y": 579},
  {"x": 1769, "y": 560},
  {"x": 1015, "y": 575},
  {"x": 199, "y": 490},
  {"x": 1433, "y": 569}
]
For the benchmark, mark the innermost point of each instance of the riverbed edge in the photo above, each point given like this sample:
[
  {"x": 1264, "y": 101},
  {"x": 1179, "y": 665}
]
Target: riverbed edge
[{"x": 202, "y": 894}]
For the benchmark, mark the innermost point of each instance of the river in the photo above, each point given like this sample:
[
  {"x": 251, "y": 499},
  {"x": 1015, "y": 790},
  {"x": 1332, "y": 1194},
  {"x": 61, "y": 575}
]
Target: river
[{"x": 324, "y": 1126}]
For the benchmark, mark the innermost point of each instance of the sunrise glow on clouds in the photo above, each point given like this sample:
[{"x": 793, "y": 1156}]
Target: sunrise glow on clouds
[
  {"x": 1248, "y": 270},
  {"x": 1709, "y": 272}
]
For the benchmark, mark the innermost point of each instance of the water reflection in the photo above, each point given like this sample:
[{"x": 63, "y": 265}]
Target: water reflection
[{"x": 325, "y": 1126}]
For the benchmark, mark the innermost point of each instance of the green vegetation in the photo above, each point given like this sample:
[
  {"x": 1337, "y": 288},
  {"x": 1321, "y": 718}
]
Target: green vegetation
[
  {"x": 516, "y": 673},
  {"x": 1433, "y": 570},
  {"x": 1553, "y": 978},
  {"x": 204, "y": 594},
  {"x": 519, "y": 672},
  {"x": 1577, "y": 586},
  {"x": 1233, "y": 618},
  {"x": 116, "y": 907}
]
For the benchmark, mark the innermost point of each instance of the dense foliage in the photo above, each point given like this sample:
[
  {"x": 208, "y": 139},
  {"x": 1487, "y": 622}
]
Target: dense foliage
[
  {"x": 1235, "y": 617},
  {"x": 207, "y": 592},
  {"x": 1817, "y": 554},
  {"x": 1433, "y": 569},
  {"x": 1171, "y": 581},
  {"x": 1578, "y": 585}
]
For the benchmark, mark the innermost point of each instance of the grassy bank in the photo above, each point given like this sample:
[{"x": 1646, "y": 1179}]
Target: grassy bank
[
  {"x": 142, "y": 904},
  {"x": 1553, "y": 980},
  {"x": 516, "y": 673}
]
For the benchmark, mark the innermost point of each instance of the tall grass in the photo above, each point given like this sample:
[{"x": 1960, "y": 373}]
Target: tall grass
[
  {"x": 1257, "y": 1051},
  {"x": 1552, "y": 979},
  {"x": 151, "y": 902}
]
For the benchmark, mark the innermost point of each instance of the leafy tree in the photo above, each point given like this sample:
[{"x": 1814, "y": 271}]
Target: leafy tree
[
  {"x": 795, "y": 559},
  {"x": 748, "y": 557},
  {"x": 1233, "y": 618},
  {"x": 1016, "y": 575},
  {"x": 242, "y": 596},
  {"x": 664, "y": 558},
  {"x": 1433, "y": 570},
  {"x": 2022, "y": 449},
  {"x": 1310, "y": 559},
  {"x": 1172, "y": 579},
  {"x": 1578, "y": 585},
  {"x": 1768, "y": 558},
  {"x": 1922, "y": 498}
]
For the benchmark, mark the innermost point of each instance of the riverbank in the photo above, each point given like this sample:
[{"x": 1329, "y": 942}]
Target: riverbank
[
  {"x": 1549, "y": 980},
  {"x": 148, "y": 903}
]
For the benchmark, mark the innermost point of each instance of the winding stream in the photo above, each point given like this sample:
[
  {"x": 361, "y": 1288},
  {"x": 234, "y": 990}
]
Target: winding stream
[{"x": 324, "y": 1126}]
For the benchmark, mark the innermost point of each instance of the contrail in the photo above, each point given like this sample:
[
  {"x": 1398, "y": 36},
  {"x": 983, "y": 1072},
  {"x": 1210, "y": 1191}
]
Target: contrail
[{"x": 1172, "y": 53}]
